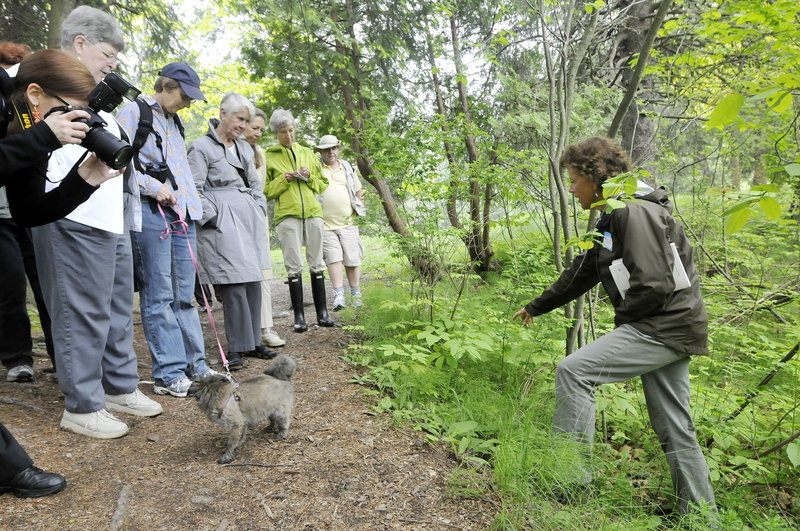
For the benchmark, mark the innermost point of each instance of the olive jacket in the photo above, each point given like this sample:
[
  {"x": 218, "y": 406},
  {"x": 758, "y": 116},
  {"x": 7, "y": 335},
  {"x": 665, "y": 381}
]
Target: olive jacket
[{"x": 640, "y": 235}]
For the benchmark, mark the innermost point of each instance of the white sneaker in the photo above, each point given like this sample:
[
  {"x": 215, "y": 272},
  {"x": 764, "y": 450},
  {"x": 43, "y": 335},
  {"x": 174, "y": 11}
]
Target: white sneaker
[
  {"x": 338, "y": 300},
  {"x": 20, "y": 373},
  {"x": 135, "y": 403},
  {"x": 271, "y": 339},
  {"x": 99, "y": 424},
  {"x": 179, "y": 387},
  {"x": 200, "y": 376},
  {"x": 357, "y": 301}
]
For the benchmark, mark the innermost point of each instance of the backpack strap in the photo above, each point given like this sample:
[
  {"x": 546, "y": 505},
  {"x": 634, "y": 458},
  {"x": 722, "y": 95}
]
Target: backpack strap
[{"x": 143, "y": 130}]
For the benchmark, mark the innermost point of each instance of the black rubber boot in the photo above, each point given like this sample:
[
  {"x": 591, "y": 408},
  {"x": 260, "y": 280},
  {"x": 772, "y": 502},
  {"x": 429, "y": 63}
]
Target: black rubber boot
[
  {"x": 321, "y": 305},
  {"x": 296, "y": 293}
]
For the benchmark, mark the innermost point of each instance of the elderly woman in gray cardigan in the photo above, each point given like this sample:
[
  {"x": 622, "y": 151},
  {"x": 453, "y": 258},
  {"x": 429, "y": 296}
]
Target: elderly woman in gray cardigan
[{"x": 231, "y": 241}]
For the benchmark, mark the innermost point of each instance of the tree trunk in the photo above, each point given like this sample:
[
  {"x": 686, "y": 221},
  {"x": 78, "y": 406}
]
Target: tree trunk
[
  {"x": 441, "y": 113},
  {"x": 421, "y": 259},
  {"x": 561, "y": 79},
  {"x": 59, "y": 9},
  {"x": 480, "y": 250},
  {"x": 638, "y": 131}
]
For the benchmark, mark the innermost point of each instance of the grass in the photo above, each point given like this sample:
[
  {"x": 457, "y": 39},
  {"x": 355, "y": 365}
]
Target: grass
[{"x": 484, "y": 386}]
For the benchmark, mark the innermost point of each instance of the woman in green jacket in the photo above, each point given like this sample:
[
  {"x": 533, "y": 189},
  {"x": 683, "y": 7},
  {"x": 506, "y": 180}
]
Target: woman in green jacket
[{"x": 294, "y": 179}]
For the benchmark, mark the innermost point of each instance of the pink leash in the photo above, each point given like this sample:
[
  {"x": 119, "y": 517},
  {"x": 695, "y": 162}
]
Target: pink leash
[{"x": 183, "y": 228}]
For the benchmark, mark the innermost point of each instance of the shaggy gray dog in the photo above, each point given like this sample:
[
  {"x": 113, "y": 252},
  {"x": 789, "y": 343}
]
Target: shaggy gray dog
[{"x": 266, "y": 396}]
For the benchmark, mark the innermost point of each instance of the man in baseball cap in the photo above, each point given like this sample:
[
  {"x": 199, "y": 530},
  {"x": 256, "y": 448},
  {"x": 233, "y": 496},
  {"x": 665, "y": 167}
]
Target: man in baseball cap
[{"x": 186, "y": 77}]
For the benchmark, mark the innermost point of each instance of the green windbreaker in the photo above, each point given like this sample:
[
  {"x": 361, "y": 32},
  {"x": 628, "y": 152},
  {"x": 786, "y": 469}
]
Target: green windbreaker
[{"x": 296, "y": 199}]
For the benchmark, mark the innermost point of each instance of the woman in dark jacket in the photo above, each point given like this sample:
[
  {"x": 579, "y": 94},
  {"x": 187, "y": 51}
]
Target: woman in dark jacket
[
  {"x": 644, "y": 262},
  {"x": 23, "y": 159},
  {"x": 45, "y": 82}
]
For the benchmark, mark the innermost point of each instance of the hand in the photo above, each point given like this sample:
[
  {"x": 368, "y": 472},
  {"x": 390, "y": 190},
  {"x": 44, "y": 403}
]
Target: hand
[
  {"x": 95, "y": 172},
  {"x": 67, "y": 131},
  {"x": 165, "y": 195},
  {"x": 527, "y": 319},
  {"x": 304, "y": 171},
  {"x": 290, "y": 175}
]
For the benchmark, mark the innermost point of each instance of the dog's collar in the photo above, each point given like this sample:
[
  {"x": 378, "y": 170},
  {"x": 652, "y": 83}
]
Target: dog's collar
[{"x": 234, "y": 396}]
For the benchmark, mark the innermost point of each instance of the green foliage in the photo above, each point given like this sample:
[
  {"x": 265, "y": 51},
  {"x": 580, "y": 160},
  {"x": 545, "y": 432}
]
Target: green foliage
[{"x": 454, "y": 367}]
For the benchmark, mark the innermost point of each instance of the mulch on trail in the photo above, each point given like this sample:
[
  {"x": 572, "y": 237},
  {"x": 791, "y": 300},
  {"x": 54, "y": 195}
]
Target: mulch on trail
[{"x": 341, "y": 467}]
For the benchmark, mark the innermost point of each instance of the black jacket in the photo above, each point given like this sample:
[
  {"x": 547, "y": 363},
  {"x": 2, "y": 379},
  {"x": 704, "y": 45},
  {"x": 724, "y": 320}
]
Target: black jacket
[
  {"x": 640, "y": 234},
  {"x": 23, "y": 170}
]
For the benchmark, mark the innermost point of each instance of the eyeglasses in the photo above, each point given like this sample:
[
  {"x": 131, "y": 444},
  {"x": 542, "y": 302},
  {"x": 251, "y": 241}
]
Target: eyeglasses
[{"x": 111, "y": 56}]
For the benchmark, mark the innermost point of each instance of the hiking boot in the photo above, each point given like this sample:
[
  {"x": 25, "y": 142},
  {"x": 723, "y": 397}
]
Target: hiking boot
[
  {"x": 320, "y": 304},
  {"x": 179, "y": 387},
  {"x": 98, "y": 424},
  {"x": 135, "y": 403},
  {"x": 338, "y": 300},
  {"x": 33, "y": 482},
  {"x": 271, "y": 339},
  {"x": 20, "y": 373},
  {"x": 295, "y": 283}
]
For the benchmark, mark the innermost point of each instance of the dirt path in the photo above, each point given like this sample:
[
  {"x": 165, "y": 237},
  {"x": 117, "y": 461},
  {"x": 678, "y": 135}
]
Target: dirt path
[{"x": 342, "y": 466}]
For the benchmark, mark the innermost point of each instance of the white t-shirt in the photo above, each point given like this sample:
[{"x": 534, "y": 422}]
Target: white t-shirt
[{"x": 104, "y": 209}]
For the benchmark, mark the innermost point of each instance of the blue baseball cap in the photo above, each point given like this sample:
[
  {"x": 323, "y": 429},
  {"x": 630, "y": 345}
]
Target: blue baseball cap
[{"x": 186, "y": 77}]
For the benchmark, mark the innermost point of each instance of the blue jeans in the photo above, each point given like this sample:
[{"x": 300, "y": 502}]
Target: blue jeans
[{"x": 165, "y": 274}]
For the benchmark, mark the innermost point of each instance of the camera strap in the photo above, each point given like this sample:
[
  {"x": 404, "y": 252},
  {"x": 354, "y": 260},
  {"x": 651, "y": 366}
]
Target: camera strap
[{"x": 25, "y": 118}]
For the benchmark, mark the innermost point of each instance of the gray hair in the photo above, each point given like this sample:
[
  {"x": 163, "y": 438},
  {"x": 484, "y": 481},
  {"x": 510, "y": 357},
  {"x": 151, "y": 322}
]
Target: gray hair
[
  {"x": 280, "y": 119},
  {"x": 261, "y": 114},
  {"x": 93, "y": 24},
  {"x": 234, "y": 102}
]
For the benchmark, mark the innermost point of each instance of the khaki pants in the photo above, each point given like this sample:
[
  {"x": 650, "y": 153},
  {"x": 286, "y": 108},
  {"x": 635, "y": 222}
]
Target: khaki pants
[{"x": 293, "y": 234}]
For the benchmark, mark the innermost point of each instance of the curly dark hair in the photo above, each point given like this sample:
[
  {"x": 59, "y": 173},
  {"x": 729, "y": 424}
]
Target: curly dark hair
[{"x": 597, "y": 159}]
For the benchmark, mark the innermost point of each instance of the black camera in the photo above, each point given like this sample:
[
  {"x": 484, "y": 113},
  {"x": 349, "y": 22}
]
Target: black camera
[{"x": 106, "y": 96}]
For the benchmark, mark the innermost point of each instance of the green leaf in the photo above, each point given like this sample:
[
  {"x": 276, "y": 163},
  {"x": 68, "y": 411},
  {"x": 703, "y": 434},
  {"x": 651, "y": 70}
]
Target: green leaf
[
  {"x": 780, "y": 102},
  {"x": 792, "y": 169},
  {"x": 738, "y": 219},
  {"x": 771, "y": 187},
  {"x": 770, "y": 207},
  {"x": 725, "y": 111},
  {"x": 793, "y": 453},
  {"x": 738, "y": 207},
  {"x": 461, "y": 428},
  {"x": 615, "y": 203},
  {"x": 763, "y": 94}
]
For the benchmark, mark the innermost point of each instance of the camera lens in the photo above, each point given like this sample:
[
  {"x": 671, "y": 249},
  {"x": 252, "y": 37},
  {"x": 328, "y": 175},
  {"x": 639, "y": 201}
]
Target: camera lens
[{"x": 114, "y": 152}]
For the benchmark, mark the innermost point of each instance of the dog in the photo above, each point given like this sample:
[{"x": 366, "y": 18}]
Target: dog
[{"x": 266, "y": 396}]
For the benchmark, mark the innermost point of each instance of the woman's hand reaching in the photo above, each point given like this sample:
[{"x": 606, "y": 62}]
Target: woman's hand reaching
[{"x": 525, "y": 317}]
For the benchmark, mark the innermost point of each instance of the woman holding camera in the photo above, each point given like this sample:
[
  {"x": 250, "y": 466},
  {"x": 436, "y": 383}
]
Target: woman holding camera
[
  {"x": 38, "y": 109},
  {"x": 43, "y": 80}
]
